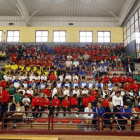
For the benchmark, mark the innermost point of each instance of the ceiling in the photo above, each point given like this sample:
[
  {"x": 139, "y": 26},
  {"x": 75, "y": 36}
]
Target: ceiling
[{"x": 88, "y": 8}]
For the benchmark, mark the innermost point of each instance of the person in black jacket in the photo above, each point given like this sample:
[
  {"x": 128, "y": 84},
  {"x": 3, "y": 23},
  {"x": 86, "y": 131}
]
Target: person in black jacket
[
  {"x": 129, "y": 99},
  {"x": 7, "y": 108},
  {"x": 129, "y": 70},
  {"x": 128, "y": 60},
  {"x": 111, "y": 116}
]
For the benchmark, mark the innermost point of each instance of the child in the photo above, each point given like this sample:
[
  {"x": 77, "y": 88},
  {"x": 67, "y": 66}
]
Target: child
[
  {"x": 106, "y": 101},
  {"x": 75, "y": 83},
  {"x": 30, "y": 92},
  {"x": 85, "y": 91},
  {"x": 82, "y": 74},
  {"x": 77, "y": 92},
  {"x": 122, "y": 91},
  {"x": 90, "y": 85},
  {"x": 25, "y": 84},
  {"x": 43, "y": 77},
  {"x": 84, "y": 102},
  {"x": 22, "y": 89},
  {"x": 42, "y": 85},
  {"x": 67, "y": 84},
  {"x": 110, "y": 85},
  {"x": 66, "y": 105},
  {"x": 127, "y": 86},
  {"x": 94, "y": 92},
  {"x": 26, "y": 102},
  {"x": 91, "y": 98},
  {"x": 65, "y": 91}
]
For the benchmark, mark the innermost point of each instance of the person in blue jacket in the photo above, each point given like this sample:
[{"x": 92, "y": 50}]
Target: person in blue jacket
[
  {"x": 100, "y": 111},
  {"x": 127, "y": 117}
]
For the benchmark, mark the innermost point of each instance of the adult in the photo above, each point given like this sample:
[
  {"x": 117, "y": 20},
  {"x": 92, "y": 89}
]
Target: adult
[
  {"x": 137, "y": 77},
  {"x": 117, "y": 99},
  {"x": 129, "y": 70},
  {"x": 88, "y": 117},
  {"x": 18, "y": 116},
  {"x": 126, "y": 117}
]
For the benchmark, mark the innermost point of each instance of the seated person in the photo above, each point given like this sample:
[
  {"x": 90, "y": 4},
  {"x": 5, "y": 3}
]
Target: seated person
[
  {"x": 129, "y": 71},
  {"x": 103, "y": 69},
  {"x": 88, "y": 117},
  {"x": 127, "y": 117},
  {"x": 82, "y": 74}
]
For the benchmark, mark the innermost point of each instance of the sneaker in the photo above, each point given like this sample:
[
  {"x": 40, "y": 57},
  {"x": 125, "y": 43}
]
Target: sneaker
[
  {"x": 85, "y": 128},
  {"x": 76, "y": 116},
  {"x": 89, "y": 128},
  {"x": 70, "y": 115}
]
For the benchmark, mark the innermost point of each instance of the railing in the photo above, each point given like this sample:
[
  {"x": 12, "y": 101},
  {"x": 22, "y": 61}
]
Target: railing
[
  {"x": 28, "y": 120},
  {"x": 100, "y": 121}
]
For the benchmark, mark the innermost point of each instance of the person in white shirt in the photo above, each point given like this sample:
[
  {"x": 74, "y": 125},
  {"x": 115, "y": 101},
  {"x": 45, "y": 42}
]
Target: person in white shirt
[
  {"x": 23, "y": 77},
  {"x": 76, "y": 91},
  {"x": 66, "y": 91},
  {"x": 54, "y": 91},
  {"x": 88, "y": 117},
  {"x": 117, "y": 100},
  {"x": 22, "y": 89},
  {"x": 75, "y": 63},
  {"x": 26, "y": 101},
  {"x": 103, "y": 69},
  {"x": 43, "y": 77},
  {"x": 61, "y": 77},
  {"x": 6, "y": 77},
  {"x": 68, "y": 77},
  {"x": 85, "y": 91},
  {"x": 74, "y": 77},
  {"x": 68, "y": 64},
  {"x": 30, "y": 92}
]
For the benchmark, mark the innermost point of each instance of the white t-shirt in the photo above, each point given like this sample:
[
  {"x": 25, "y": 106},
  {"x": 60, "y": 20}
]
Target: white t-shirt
[
  {"x": 122, "y": 93},
  {"x": 131, "y": 93},
  {"x": 66, "y": 92},
  {"x": 22, "y": 91},
  {"x": 54, "y": 92},
  {"x": 68, "y": 77},
  {"x": 44, "y": 78},
  {"x": 75, "y": 77},
  {"x": 30, "y": 92},
  {"x": 23, "y": 77},
  {"x": 61, "y": 78},
  {"x": 12, "y": 78},
  {"x": 76, "y": 92},
  {"x": 76, "y": 63},
  {"x": 37, "y": 77},
  {"x": 31, "y": 77},
  {"x": 26, "y": 101},
  {"x": 6, "y": 78},
  {"x": 25, "y": 85},
  {"x": 84, "y": 91}
]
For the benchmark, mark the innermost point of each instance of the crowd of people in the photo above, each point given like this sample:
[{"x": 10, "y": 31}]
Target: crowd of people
[{"x": 61, "y": 74}]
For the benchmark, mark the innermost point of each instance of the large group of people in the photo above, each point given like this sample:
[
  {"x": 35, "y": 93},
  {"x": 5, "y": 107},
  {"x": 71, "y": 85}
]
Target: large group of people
[{"x": 61, "y": 74}]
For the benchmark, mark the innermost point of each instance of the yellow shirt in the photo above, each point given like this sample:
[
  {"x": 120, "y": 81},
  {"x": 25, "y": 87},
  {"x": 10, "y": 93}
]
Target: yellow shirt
[
  {"x": 3, "y": 54},
  {"x": 14, "y": 67},
  {"x": 21, "y": 67},
  {"x": 46, "y": 73},
  {"x": 55, "y": 73},
  {"x": 39, "y": 72},
  {"x": 35, "y": 68},
  {"x": 7, "y": 67},
  {"x": 28, "y": 68}
]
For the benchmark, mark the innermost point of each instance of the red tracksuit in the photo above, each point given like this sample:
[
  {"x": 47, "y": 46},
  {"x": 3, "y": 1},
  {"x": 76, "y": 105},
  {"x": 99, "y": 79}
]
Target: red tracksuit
[
  {"x": 46, "y": 91},
  {"x": 85, "y": 102},
  {"x": 44, "y": 102},
  {"x": 35, "y": 101},
  {"x": 91, "y": 98},
  {"x": 3, "y": 84},
  {"x": 106, "y": 79},
  {"x": 130, "y": 80},
  {"x": 65, "y": 103},
  {"x": 127, "y": 87},
  {"x": 73, "y": 101},
  {"x": 94, "y": 93},
  {"x": 5, "y": 97},
  {"x": 56, "y": 102},
  {"x": 122, "y": 79},
  {"x": 105, "y": 103},
  {"x": 115, "y": 79},
  {"x": 52, "y": 77},
  {"x": 135, "y": 86}
]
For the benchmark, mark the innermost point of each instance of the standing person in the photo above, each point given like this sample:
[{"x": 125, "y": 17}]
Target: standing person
[
  {"x": 127, "y": 117},
  {"x": 5, "y": 97},
  {"x": 88, "y": 117},
  {"x": 18, "y": 116},
  {"x": 129, "y": 71},
  {"x": 133, "y": 56},
  {"x": 66, "y": 105}
]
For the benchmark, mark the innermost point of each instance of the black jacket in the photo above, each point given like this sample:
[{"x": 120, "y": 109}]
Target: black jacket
[
  {"x": 127, "y": 69},
  {"x": 107, "y": 109}
]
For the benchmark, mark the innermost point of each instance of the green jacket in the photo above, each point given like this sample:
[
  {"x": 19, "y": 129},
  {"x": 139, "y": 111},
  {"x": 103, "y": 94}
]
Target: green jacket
[
  {"x": 137, "y": 78},
  {"x": 12, "y": 90},
  {"x": 133, "y": 56}
]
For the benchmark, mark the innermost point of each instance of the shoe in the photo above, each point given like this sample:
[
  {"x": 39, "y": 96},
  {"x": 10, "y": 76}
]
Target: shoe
[
  {"x": 76, "y": 116},
  {"x": 89, "y": 128},
  {"x": 85, "y": 128},
  {"x": 70, "y": 115}
]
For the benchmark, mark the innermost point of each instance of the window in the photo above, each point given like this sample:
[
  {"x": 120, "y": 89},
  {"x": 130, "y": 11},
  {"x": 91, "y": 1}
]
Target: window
[
  {"x": 59, "y": 36},
  {"x": 137, "y": 36},
  {"x": 0, "y": 36},
  {"x": 104, "y": 36},
  {"x": 13, "y": 36},
  {"x": 41, "y": 36},
  {"x": 86, "y": 36}
]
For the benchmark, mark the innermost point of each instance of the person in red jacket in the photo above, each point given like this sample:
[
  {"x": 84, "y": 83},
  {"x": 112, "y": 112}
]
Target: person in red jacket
[
  {"x": 74, "y": 104},
  {"x": 94, "y": 92},
  {"x": 44, "y": 103},
  {"x": 106, "y": 78},
  {"x": 130, "y": 79},
  {"x": 115, "y": 79},
  {"x": 3, "y": 83},
  {"x": 92, "y": 98},
  {"x": 55, "y": 105},
  {"x": 122, "y": 79},
  {"x": 106, "y": 101},
  {"x": 47, "y": 91},
  {"x": 35, "y": 104},
  {"x": 84, "y": 102},
  {"x": 66, "y": 105},
  {"x": 52, "y": 77},
  {"x": 135, "y": 86},
  {"x": 5, "y": 96},
  {"x": 127, "y": 86}
]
